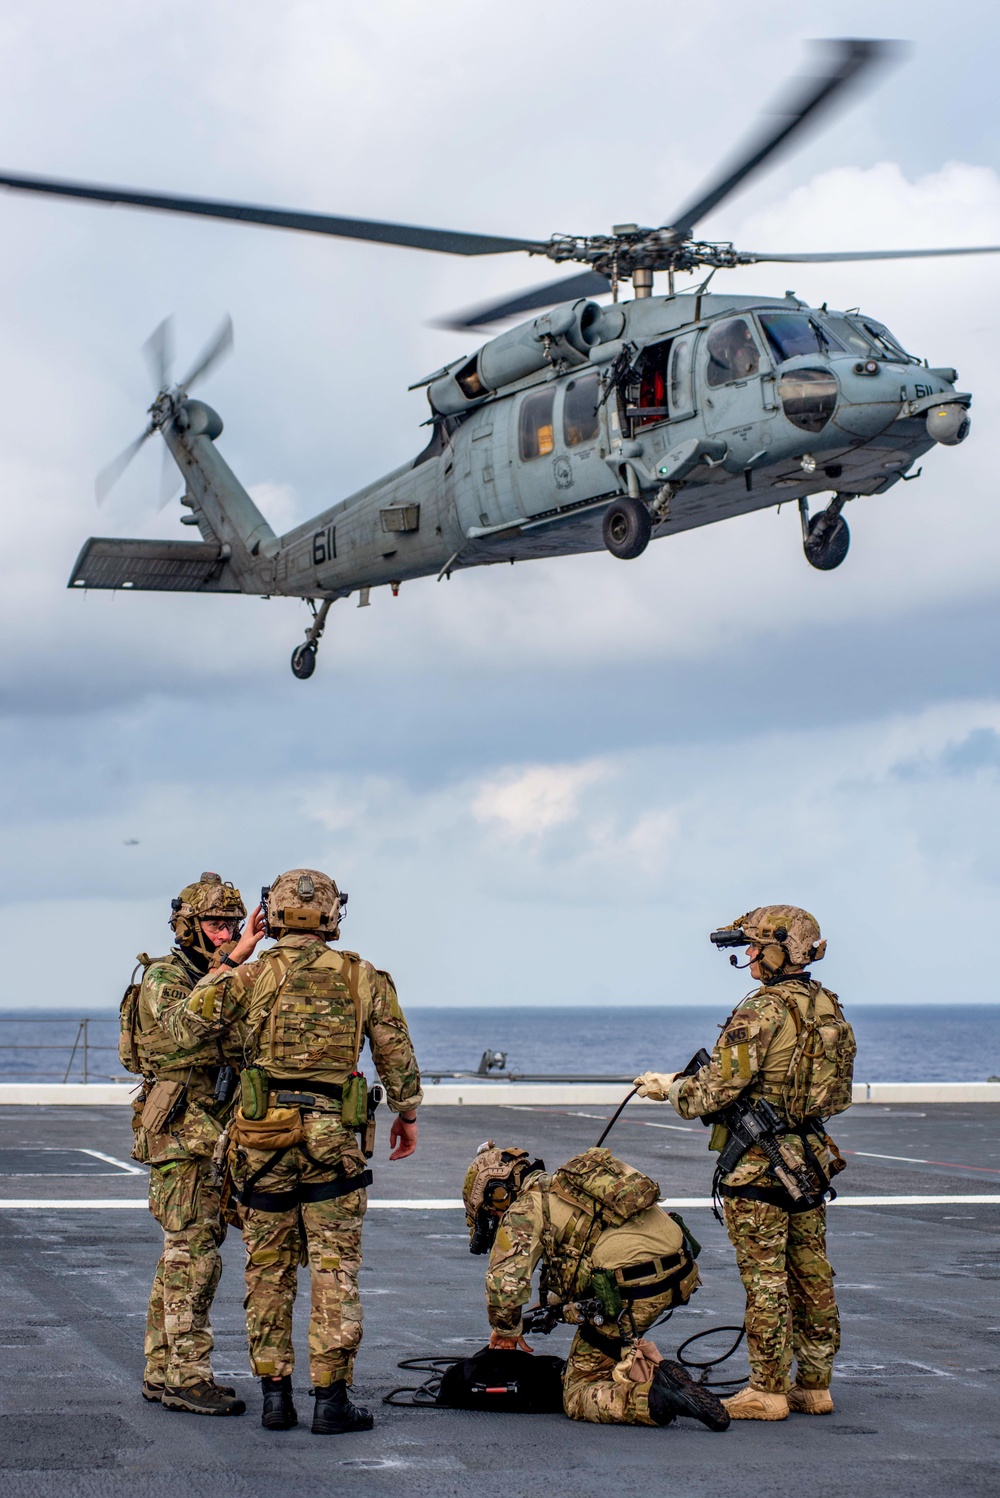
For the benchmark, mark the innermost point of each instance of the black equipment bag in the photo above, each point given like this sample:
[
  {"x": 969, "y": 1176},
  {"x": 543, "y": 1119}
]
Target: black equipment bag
[{"x": 511, "y": 1382}]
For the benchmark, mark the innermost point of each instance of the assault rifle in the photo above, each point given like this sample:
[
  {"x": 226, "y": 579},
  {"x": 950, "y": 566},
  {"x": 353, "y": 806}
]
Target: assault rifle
[{"x": 755, "y": 1122}]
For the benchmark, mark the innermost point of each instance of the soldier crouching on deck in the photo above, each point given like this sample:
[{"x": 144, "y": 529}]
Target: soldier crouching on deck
[
  {"x": 177, "y": 1122},
  {"x": 613, "y": 1262},
  {"x": 787, "y": 1052},
  {"x": 306, "y": 1011}
]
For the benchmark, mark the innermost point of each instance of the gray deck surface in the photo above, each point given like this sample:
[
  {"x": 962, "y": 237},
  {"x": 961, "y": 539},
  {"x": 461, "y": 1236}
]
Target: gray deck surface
[{"x": 916, "y": 1386}]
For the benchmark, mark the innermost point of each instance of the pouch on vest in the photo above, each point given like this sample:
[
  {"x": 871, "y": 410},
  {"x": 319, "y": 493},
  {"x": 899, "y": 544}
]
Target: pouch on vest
[
  {"x": 509, "y": 1381},
  {"x": 354, "y": 1102},
  {"x": 281, "y": 1129},
  {"x": 128, "y": 1020},
  {"x": 605, "y": 1187},
  {"x": 254, "y": 1086},
  {"x": 160, "y": 1105},
  {"x": 690, "y": 1241}
]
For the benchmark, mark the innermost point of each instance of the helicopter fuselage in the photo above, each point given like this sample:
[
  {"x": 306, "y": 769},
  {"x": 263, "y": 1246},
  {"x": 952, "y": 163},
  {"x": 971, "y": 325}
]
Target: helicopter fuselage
[{"x": 700, "y": 407}]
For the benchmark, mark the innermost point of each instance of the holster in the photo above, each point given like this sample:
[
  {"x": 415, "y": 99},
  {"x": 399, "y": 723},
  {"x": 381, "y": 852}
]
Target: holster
[
  {"x": 161, "y": 1102},
  {"x": 279, "y": 1129}
]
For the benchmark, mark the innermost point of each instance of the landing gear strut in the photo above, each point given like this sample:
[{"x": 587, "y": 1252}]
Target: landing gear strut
[
  {"x": 304, "y": 655},
  {"x": 825, "y": 538}
]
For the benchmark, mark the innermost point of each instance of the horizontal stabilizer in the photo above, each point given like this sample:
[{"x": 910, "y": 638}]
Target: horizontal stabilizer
[{"x": 154, "y": 566}]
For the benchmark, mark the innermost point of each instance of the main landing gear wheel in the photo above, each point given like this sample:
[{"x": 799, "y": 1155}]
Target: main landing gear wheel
[
  {"x": 826, "y": 537},
  {"x": 627, "y": 527},
  {"x": 303, "y": 661}
]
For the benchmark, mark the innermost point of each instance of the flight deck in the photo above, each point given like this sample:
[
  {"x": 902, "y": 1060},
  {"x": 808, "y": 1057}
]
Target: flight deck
[{"x": 913, "y": 1239}]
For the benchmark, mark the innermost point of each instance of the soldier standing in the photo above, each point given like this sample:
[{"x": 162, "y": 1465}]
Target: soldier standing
[
  {"x": 611, "y": 1259},
  {"x": 305, "y": 1011},
  {"x": 176, "y": 1126},
  {"x": 788, "y": 1043}
]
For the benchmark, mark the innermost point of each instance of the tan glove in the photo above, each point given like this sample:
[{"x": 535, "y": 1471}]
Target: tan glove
[{"x": 655, "y": 1085}]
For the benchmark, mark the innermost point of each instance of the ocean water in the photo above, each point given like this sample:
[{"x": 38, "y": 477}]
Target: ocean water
[{"x": 896, "y": 1043}]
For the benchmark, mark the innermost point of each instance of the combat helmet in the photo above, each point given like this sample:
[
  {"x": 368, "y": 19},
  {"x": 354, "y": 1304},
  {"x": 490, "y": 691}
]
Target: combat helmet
[
  {"x": 304, "y": 900},
  {"x": 786, "y": 936},
  {"x": 210, "y": 898},
  {"x": 491, "y": 1183}
]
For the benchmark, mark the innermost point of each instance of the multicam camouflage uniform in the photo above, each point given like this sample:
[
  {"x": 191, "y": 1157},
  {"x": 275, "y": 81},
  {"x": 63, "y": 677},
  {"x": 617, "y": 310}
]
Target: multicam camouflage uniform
[
  {"x": 297, "y": 1003},
  {"x": 183, "y": 1196},
  {"x": 781, "y": 1255},
  {"x": 539, "y": 1224}
]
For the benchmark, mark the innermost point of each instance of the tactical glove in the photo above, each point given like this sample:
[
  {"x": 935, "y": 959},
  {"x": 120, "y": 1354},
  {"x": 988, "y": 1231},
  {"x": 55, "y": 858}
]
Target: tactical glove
[{"x": 655, "y": 1085}]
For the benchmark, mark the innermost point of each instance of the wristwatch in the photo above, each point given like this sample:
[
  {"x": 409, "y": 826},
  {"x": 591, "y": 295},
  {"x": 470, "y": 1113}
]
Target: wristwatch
[{"x": 403, "y": 1118}]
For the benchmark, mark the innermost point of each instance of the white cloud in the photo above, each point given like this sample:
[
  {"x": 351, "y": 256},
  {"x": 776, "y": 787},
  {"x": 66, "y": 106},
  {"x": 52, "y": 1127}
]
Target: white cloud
[{"x": 529, "y": 802}]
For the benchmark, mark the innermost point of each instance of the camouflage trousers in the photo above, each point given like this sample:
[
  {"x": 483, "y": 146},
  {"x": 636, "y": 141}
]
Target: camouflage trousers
[
  {"x": 590, "y": 1390},
  {"x": 185, "y": 1202},
  {"x": 324, "y": 1234},
  {"x": 791, "y": 1306}
]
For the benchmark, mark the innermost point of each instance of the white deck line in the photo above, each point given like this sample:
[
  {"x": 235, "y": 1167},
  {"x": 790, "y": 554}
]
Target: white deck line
[
  {"x": 453, "y": 1204},
  {"x": 523, "y": 1094}
]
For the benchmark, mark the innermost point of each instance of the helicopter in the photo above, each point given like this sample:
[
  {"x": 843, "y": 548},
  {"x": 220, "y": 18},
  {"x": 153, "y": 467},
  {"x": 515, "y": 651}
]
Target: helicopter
[{"x": 591, "y": 425}]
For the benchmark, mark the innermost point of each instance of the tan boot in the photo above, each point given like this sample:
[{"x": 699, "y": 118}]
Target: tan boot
[
  {"x": 810, "y": 1401},
  {"x": 757, "y": 1404}
]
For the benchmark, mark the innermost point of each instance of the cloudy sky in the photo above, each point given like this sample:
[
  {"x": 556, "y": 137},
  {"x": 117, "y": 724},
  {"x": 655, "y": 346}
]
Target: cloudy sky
[{"x": 541, "y": 785}]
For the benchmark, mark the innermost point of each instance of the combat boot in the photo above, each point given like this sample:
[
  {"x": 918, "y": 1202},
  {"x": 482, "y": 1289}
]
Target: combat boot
[
  {"x": 279, "y": 1413},
  {"x": 757, "y": 1404},
  {"x": 673, "y": 1392},
  {"x": 335, "y": 1415},
  {"x": 203, "y": 1398},
  {"x": 153, "y": 1392},
  {"x": 810, "y": 1401}
]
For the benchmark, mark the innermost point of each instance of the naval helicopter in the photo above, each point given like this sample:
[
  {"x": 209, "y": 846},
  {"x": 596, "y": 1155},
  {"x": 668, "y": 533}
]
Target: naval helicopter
[{"x": 591, "y": 425}]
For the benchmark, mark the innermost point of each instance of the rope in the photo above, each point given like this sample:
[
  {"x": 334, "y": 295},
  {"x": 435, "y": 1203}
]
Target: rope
[
  {"x": 705, "y": 1364},
  {"x": 615, "y": 1117}
]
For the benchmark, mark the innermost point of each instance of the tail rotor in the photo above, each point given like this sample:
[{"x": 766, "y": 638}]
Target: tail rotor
[{"x": 158, "y": 352}]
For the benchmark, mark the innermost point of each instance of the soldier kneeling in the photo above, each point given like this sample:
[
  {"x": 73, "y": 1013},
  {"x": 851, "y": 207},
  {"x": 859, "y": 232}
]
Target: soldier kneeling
[{"x": 613, "y": 1262}]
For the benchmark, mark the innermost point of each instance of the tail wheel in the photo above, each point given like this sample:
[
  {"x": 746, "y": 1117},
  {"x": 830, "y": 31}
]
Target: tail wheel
[
  {"x": 627, "y": 527},
  {"x": 303, "y": 661},
  {"x": 827, "y": 544}
]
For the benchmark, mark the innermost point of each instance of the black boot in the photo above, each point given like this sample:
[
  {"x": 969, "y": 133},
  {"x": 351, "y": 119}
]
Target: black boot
[
  {"x": 335, "y": 1415},
  {"x": 674, "y": 1392},
  {"x": 279, "y": 1411}
]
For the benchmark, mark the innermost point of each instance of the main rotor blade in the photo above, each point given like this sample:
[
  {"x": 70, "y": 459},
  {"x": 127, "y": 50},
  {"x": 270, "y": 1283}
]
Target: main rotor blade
[
  {"x": 447, "y": 241},
  {"x": 822, "y": 257},
  {"x": 158, "y": 351},
  {"x": 587, "y": 283},
  {"x": 109, "y": 476},
  {"x": 216, "y": 348},
  {"x": 845, "y": 59}
]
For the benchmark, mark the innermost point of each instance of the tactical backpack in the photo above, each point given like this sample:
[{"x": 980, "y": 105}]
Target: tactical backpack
[
  {"x": 604, "y": 1187},
  {"x": 128, "y": 1019},
  {"x": 820, "y": 1074}
]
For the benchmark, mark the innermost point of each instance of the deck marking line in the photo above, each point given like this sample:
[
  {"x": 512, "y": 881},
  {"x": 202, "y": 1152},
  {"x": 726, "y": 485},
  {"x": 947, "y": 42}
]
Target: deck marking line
[
  {"x": 132, "y": 1170},
  {"x": 912, "y": 1160},
  {"x": 449, "y": 1204}
]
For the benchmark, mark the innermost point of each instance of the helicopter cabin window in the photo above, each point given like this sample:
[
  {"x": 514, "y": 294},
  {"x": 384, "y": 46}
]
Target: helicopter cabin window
[
  {"x": 535, "y": 432},
  {"x": 581, "y": 422},
  {"x": 732, "y": 353},
  {"x": 792, "y": 333}
]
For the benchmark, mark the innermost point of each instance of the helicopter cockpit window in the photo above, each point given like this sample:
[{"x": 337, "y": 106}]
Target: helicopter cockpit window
[
  {"x": 732, "y": 353},
  {"x": 850, "y": 336},
  {"x": 885, "y": 345},
  {"x": 581, "y": 422},
  {"x": 792, "y": 333},
  {"x": 535, "y": 432}
]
